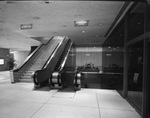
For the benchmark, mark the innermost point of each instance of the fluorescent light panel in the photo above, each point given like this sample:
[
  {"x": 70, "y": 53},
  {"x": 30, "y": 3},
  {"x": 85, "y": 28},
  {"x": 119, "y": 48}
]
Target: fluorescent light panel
[
  {"x": 26, "y": 26},
  {"x": 81, "y": 23}
]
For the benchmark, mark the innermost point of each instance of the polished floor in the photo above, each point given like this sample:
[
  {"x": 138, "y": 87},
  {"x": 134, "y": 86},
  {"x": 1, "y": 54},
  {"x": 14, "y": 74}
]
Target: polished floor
[{"x": 20, "y": 100}]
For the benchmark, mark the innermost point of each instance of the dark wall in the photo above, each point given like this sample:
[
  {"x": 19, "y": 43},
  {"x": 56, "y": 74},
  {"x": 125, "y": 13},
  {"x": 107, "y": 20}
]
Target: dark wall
[
  {"x": 32, "y": 49},
  {"x": 4, "y": 54}
]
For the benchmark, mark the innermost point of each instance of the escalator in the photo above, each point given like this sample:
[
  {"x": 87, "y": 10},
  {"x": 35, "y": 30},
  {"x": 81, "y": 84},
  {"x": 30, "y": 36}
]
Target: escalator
[
  {"x": 56, "y": 77},
  {"x": 45, "y": 65},
  {"x": 54, "y": 63},
  {"x": 37, "y": 60}
]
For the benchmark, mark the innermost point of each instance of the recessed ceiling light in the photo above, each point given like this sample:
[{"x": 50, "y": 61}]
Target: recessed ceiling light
[
  {"x": 81, "y": 23},
  {"x": 64, "y": 25},
  {"x": 36, "y": 18},
  {"x": 99, "y": 24},
  {"x": 83, "y": 31},
  {"x": 87, "y": 54},
  {"x": 97, "y": 35},
  {"x": 108, "y": 54}
]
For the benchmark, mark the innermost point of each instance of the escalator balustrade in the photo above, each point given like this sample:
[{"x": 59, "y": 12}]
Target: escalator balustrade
[
  {"x": 77, "y": 81},
  {"x": 56, "y": 78},
  {"x": 55, "y": 81},
  {"x": 51, "y": 73}
]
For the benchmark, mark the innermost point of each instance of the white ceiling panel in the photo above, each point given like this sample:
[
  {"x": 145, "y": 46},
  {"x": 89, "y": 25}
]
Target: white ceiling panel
[{"x": 57, "y": 18}]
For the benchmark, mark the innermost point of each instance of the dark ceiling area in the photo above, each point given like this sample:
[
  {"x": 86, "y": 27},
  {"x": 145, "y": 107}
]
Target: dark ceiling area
[{"x": 136, "y": 27}]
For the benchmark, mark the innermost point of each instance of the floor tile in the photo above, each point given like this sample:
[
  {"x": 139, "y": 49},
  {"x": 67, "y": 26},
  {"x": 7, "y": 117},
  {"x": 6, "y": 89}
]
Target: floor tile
[
  {"x": 107, "y": 92},
  {"x": 4, "y": 75},
  {"x": 64, "y": 94},
  {"x": 16, "y": 109},
  {"x": 113, "y": 113},
  {"x": 82, "y": 98},
  {"x": 34, "y": 96},
  {"x": 113, "y": 101},
  {"x": 21, "y": 100},
  {"x": 61, "y": 111}
]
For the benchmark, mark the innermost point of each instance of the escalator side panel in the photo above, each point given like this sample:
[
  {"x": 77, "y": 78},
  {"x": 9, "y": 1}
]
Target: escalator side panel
[
  {"x": 18, "y": 72},
  {"x": 44, "y": 75}
]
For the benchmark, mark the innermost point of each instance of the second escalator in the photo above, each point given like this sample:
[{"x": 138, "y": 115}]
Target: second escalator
[{"x": 56, "y": 80}]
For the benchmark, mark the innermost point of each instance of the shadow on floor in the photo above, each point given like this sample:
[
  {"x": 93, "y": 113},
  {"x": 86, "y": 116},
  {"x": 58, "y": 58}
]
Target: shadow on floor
[{"x": 42, "y": 88}]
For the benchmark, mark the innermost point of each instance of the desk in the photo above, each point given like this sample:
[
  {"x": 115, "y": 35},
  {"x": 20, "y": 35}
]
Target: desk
[{"x": 107, "y": 78}]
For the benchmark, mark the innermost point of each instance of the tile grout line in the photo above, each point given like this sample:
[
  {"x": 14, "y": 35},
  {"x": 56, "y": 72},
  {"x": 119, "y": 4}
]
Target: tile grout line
[
  {"x": 74, "y": 95},
  {"x": 72, "y": 105},
  {"x": 42, "y": 105},
  {"x": 119, "y": 109},
  {"x": 98, "y": 104}
]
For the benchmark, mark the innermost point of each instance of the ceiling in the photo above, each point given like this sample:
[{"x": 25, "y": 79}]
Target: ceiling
[{"x": 55, "y": 18}]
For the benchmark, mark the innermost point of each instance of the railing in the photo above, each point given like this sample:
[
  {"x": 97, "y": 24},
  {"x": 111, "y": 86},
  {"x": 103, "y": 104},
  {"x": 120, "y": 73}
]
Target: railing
[{"x": 52, "y": 56}]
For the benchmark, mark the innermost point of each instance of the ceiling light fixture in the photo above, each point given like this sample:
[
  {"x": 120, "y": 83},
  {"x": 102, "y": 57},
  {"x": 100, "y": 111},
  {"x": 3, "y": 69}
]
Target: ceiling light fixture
[
  {"x": 100, "y": 24},
  {"x": 83, "y": 31},
  {"x": 26, "y": 26},
  {"x": 81, "y": 23},
  {"x": 97, "y": 35},
  {"x": 36, "y": 18},
  {"x": 64, "y": 25}
]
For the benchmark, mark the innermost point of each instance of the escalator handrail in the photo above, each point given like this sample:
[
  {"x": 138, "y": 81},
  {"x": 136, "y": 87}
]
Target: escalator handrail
[
  {"x": 52, "y": 55},
  {"x": 31, "y": 55},
  {"x": 65, "y": 59}
]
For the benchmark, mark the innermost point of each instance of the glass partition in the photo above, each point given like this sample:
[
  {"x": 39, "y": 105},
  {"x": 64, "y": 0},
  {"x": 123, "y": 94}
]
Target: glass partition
[
  {"x": 136, "y": 22},
  {"x": 113, "y": 56},
  {"x": 135, "y": 73}
]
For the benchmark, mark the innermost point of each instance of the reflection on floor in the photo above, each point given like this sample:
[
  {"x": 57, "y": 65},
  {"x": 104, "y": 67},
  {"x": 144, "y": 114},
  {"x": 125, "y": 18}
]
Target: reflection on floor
[{"x": 20, "y": 100}]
